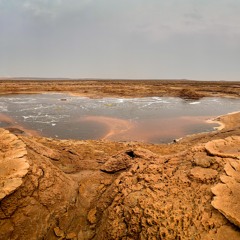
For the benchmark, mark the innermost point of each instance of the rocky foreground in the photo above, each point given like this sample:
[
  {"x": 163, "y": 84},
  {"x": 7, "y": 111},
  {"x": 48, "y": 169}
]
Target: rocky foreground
[{"x": 63, "y": 189}]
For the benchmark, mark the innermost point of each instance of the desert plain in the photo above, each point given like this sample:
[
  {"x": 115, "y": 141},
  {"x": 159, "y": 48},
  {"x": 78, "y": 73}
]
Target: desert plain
[{"x": 100, "y": 189}]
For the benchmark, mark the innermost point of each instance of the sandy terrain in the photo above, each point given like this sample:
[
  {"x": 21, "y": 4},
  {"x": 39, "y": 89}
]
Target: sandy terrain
[
  {"x": 65, "y": 189},
  {"x": 133, "y": 88}
]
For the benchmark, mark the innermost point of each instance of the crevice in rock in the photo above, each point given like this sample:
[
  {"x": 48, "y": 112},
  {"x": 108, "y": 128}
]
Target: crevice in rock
[{"x": 131, "y": 154}]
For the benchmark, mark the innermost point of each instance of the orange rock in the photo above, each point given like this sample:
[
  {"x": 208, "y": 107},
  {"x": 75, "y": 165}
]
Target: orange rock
[
  {"x": 13, "y": 163},
  {"x": 203, "y": 174},
  {"x": 227, "y": 199}
]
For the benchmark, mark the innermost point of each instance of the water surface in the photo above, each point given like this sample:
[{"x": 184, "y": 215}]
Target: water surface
[{"x": 150, "y": 119}]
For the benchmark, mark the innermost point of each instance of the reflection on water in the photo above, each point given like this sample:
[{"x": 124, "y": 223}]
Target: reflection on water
[
  {"x": 4, "y": 124},
  {"x": 151, "y": 119}
]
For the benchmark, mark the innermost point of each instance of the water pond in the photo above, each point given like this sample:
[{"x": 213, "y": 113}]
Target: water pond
[{"x": 150, "y": 119}]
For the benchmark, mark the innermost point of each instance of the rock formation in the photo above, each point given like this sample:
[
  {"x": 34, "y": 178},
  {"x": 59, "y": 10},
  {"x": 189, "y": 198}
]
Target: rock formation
[
  {"x": 13, "y": 163},
  {"x": 35, "y": 195},
  {"x": 63, "y": 189},
  {"x": 228, "y": 147},
  {"x": 227, "y": 199},
  {"x": 171, "y": 198}
]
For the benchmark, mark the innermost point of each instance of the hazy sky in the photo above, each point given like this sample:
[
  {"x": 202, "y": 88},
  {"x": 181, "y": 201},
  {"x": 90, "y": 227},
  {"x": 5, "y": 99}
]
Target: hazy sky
[{"x": 194, "y": 39}]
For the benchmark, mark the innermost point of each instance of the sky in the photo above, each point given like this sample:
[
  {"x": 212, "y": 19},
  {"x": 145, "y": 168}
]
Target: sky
[{"x": 146, "y": 39}]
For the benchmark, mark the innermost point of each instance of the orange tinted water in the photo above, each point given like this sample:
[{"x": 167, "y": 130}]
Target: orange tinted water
[{"x": 154, "y": 120}]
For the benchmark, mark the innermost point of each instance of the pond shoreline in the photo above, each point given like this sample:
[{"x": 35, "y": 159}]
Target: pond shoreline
[{"x": 148, "y": 119}]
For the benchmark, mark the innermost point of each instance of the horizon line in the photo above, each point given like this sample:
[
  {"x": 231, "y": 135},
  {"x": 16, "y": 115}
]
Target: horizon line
[{"x": 95, "y": 78}]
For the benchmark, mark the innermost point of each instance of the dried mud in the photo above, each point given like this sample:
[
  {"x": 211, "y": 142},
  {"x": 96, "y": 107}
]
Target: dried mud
[{"x": 69, "y": 189}]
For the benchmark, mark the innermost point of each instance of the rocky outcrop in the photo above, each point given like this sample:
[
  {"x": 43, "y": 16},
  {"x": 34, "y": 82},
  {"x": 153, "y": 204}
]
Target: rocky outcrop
[
  {"x": 35, "y": 195},
  {"x": 42, "y": 150},
  {"x": 125, "y": 159},
  {"x": 116, "y": 163},
  {"x": 118, "y": 190},
  {"x": 228, "y": 147},
  {"x": 203, "y": 174},
  {"x": 200, "y": 159},
  {"x": 227, "y": 193},
  {"x": 227, "y": 232},
  {"x": 13, "y": 163},
  {"x": 167, "y": 198}
]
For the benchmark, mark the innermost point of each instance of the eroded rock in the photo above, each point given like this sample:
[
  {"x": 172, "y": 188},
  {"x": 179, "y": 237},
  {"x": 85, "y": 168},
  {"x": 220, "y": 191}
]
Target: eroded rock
[
  {"x": 227, "y": 232},
  {"x": 203, "y": 174},
  {"x": 13, "y": 163},
  {"x": 117, "y": 163},
  {"x": 227, "y": 194},
  {"x": 34, "y": 194},
  {"x": 200, "y": 159},
  {"x": 155, "y": 197},
  {"x": 92, "y": 216},
  {"x": 42, "y": 150},
  {"x": 125, "y": 159},
  {"x": 58, "y": 232},
  {"x": 228, "y": 147}
]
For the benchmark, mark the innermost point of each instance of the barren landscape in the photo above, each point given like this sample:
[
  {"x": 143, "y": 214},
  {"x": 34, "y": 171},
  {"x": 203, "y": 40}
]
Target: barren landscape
[
  {"x": 125, "y": 88},
  {"x": 74, "y": 189}
]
